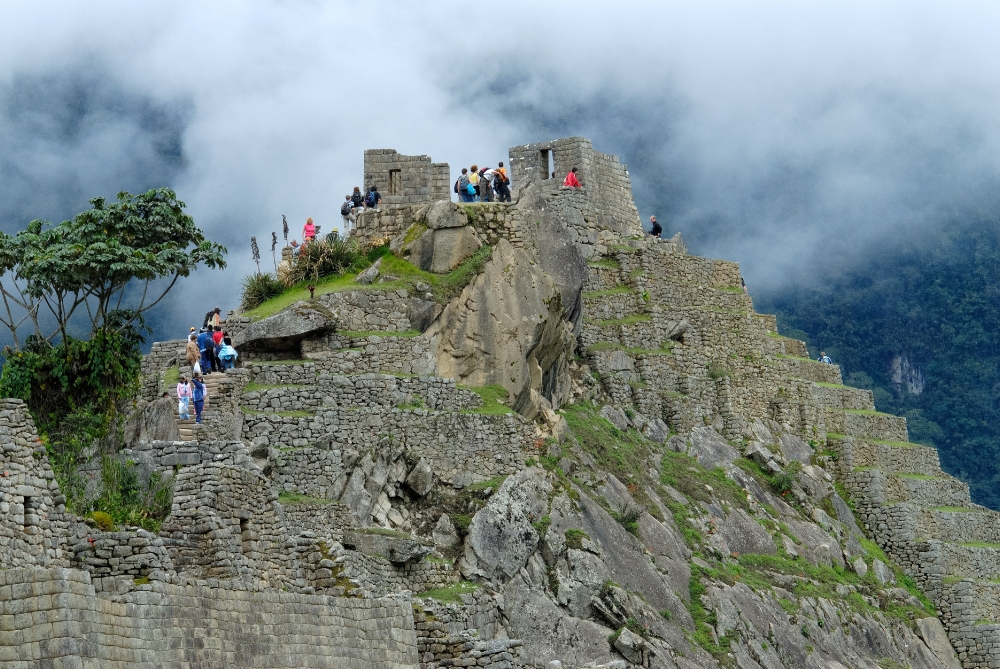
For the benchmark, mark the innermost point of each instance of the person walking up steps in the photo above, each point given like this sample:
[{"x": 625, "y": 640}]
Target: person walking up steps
[
  {"x": 198, "y": 393},
  {"x": 183, "y": 398},
  {"x": 191, "y": 351}
]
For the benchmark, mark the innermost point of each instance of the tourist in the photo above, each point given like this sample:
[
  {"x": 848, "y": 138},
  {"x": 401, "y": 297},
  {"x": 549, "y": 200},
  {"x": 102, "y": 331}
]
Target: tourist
[
  {"x": 373, "y": 199},
  {"x": 191, "y": 350},
  {"x": 308, "y": 231},
  {"x": 199, "y": 393},
  {"x": 486, "y": 176},
  {"x": 501, "y": 183},
  {"x": 655, "y": 228},
  {"x": 183, "y": 398},
  {"x": 296, "y": 249},
  {"x": 571, "y": 181},
  {"x": 474, "y": 180},
  {"x": 227, "y": 355},
  {"x": 347, "y": 214},
  {"x": 357, "y": 199},
  {"x": 464, "y": 186},
  {"x": 206, "y": 347},
  {"x": 824, "y": 358},
  {"x": 743, "y": 285},
  {"x": 212, "y": 318}
]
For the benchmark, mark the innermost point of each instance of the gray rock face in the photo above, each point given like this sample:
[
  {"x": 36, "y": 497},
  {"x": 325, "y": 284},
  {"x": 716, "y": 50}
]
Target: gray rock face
[
  {"x": 395, "y": 549},
  {"x": 421, "y": 479},
  {"x": 444, "y": 214},
  {"x": 818, "y": 547},
  {"x": 285, "y": 330},
  {"x": 656, "y": 430},
  {"x": 369, "y": 275},
  {"x": 441, "y": 251},
  {"x": 794, "y": 448},
  {"x": 501, "y": 536},
  {"x": 154, "y": 422},
  {"x": 744, "y": 535},
  {"x": 933, "y": 634},
  {"x": 615, "y": 416},
  {"x": 630, "y": 645},
  {"x": 859, "y": 567},
  {"x": 444, "y": 533},
  {"x": 711, "y": 449},
  {"x": 882, "y": 572},
  {"x": 421, "y": 313}
]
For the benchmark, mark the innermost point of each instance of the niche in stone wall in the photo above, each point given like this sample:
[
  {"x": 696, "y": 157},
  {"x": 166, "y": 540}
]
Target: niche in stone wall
[
  {"x": 244, "y": 535},
  {"x": 395, "y": 182},
  {"x": 29, "y": 513}
]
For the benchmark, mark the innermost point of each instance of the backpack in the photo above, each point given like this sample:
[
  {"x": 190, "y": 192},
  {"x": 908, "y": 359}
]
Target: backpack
[
  {"x": 346, "y": 208},
  {"x": 370, "y": 199},
  {"x": 456, "y": 185},
  {"x": 501, "y": 177}
]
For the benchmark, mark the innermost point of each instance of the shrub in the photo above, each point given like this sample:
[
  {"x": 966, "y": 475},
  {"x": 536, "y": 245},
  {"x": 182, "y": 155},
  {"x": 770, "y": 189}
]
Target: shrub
[
  {"x": 259, "y": 288},
  {"x": 574, "y": 538},
  {"x": 628, "y": 516},
  {"x": 103, "y": 520},
  {"x": 324, "y": 257}
]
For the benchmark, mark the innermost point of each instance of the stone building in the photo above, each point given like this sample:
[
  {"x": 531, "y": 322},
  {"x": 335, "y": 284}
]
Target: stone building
[{"x": 405, "y": 179}]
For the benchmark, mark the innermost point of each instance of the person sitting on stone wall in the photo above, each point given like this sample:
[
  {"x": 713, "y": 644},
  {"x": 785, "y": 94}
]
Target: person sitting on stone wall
[
  {"x": 501, "y": 183},
  {"x": 655, "y": 228},
  {"x": 347, "y": 214},
  {"x": 571, "y": 181},
  {"x": 824, "y": 358}
]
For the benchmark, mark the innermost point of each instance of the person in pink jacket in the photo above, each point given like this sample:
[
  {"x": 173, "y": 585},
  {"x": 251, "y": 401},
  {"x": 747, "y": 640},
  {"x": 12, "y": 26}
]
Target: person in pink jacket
[
  {"x": 571, "y": 180},
  {"x": 308, "y": 231}
]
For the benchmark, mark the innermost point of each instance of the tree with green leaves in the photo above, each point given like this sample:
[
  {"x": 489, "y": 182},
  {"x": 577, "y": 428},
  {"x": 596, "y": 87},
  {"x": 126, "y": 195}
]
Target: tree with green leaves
[{"x": 109, "y": 264}]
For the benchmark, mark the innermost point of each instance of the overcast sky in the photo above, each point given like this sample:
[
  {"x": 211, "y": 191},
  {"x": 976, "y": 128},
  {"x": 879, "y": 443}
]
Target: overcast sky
[{"x": 787, "y": 136}]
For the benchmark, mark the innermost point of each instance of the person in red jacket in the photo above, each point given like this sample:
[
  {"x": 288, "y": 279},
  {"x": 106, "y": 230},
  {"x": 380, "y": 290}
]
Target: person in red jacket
[{"x": 571, "y": 180}]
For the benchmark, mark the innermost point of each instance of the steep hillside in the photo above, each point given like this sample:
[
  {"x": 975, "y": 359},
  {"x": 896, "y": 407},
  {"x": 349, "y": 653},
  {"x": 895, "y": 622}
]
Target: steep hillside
[{"x": 595, "y": 454}]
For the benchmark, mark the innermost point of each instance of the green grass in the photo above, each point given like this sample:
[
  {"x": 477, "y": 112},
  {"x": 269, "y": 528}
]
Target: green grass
[
  {"x": 172, "y": 376},
  {"x": 894, "y": 444},
  {"x": 629, "y": 320},
  {"x": 378, "y": 333},
  {"x": 620, "y": 290},
  {"x": 287, "y": 498},
  {"x": 980, "y": 544},
  {"x": 451, "y": 594},
  {"x": 608, "y": 263},
  {"x": 916, "y": 477},
  {"x": 494, "y": 483},
  {"x": 953, "y": 509},
  {"x": 300, "y": 292},
  {"x": 830, "y": 385},
  {"x": 490, "y": 395}
]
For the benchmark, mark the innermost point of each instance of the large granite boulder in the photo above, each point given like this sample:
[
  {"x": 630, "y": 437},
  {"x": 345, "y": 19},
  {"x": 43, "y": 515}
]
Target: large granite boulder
[
  {"x": 710, "y": 448},
  {"x": 441, "y": 251},
  {"x": 155, "y": 421},
  {"x": 285, "y": 330}
]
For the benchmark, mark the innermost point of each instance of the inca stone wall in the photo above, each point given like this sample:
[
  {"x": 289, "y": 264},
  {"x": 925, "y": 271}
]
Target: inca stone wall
[
  {"x": 405, "y": 179},
  {"x": 54, "y": 618}
]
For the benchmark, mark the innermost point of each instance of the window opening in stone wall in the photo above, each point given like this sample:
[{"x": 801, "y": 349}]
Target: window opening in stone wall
[
  {"x": 245, "y": 535},
  {"x": 548, "y": 163},
  {"x": 395, "y": 182},
  {"x": 29, "y": 512}
]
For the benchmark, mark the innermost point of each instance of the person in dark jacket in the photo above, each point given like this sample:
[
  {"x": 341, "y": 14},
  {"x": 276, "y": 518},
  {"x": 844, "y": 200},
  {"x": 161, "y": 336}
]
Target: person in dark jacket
[
  {"x": 198, "y": 394},
  {"x": 357, "y": 199},
  {"x": 654, "y": 228}
]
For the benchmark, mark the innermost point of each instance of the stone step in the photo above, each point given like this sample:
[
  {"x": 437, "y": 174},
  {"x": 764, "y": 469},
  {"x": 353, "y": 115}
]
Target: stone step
[
  {"x": 968, "y": 525},
  {"x": 866, "y": 424},
  {"x": 895, "y": 457},
  {"x": 929, "y": 491},
  {"x": 844, "y": 397},
  {"x": 811, "y": 370}
]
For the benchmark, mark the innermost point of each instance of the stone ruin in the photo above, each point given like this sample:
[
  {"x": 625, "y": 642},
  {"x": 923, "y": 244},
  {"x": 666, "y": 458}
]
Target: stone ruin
[{"x": 351, "y": 462}]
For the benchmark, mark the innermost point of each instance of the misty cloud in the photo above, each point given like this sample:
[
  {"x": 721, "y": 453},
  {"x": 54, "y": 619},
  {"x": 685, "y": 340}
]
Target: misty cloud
[{"x": 789, "y": 137}]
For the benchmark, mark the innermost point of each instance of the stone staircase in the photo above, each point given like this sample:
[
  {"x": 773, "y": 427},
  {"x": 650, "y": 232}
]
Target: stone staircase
[{"x": 186, "y": 427}]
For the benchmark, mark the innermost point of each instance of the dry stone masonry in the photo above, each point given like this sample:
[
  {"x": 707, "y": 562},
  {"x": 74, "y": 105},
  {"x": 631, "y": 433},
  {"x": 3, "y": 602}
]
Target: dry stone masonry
[{"x": 357, "y": 497}]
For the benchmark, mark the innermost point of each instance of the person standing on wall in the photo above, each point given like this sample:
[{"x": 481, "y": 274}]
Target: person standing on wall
[
  {"x": 347, "y": 214},
  {"x": 308, "y": 231},
  {"x": 486, "y": 176},
  {"x": 654, "y": 227},
  {"x": 464, "y": 187},
  {"x": 571, "y": 181},
  {"x": 373, "y": 199},
  {"x": 357, "y": 199},
  {"x": 501, "y": 183},
  {"x": 474, "y": 180},
  {"x": 824, "y": 358},
  {"x": 198, "y": 395}
]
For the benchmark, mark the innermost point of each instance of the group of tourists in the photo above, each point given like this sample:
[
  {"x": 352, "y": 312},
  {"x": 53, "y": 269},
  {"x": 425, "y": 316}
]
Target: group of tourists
[
  {"x": 487, "y": 184},
  {"x": 356, "y": 202},
  {"x": 208, "y": 350}
]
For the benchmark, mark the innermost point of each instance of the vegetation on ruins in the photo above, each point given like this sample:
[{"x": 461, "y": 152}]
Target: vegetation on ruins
[
  {"x": 933, "y": 298},
  {"x": 81, "y": 289}
]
